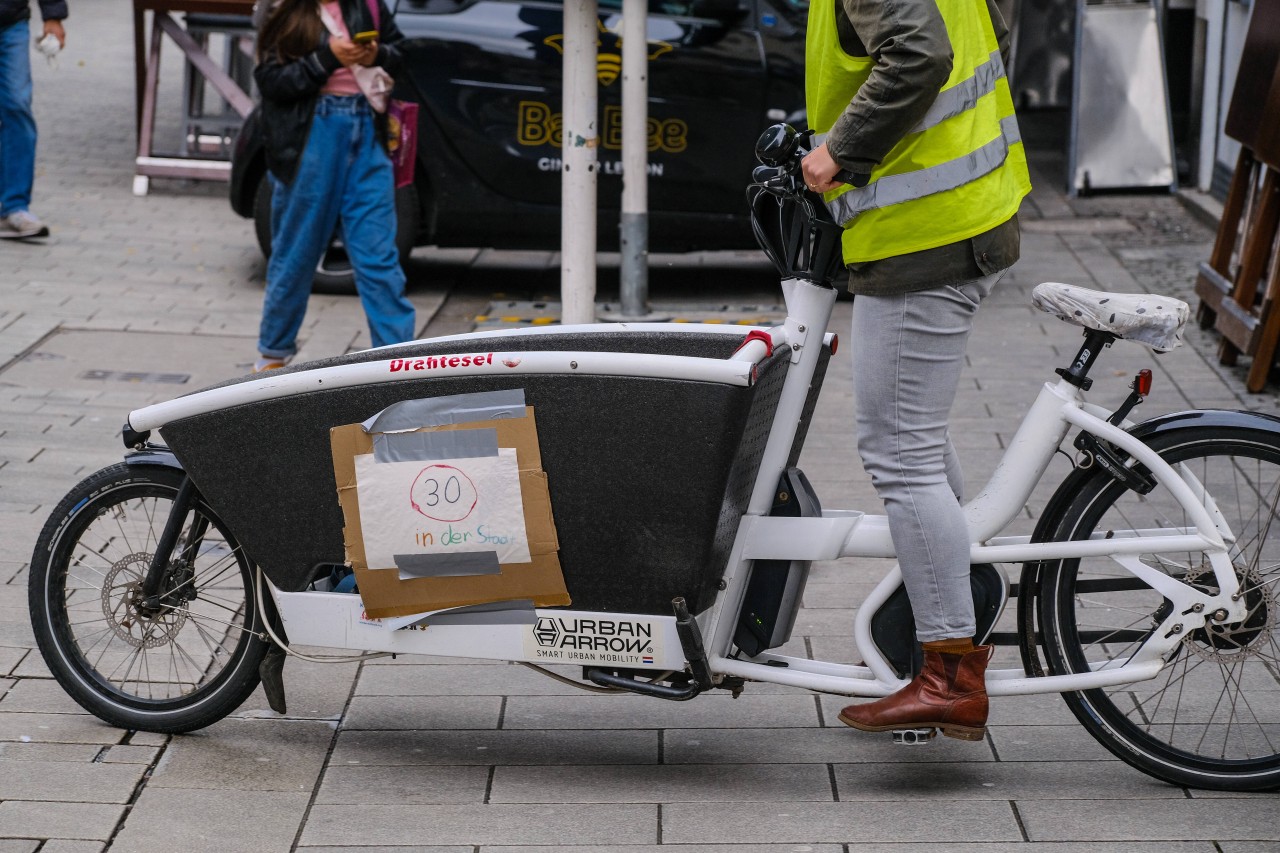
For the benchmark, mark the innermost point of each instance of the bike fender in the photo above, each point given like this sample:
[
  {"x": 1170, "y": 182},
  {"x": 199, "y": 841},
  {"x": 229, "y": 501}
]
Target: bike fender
[
  {"x": 1199, "y": 418},
  {"x": 153, "y": 455}
]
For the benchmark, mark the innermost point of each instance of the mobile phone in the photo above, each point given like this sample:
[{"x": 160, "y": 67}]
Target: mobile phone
[{"x": 365, "y": 37}]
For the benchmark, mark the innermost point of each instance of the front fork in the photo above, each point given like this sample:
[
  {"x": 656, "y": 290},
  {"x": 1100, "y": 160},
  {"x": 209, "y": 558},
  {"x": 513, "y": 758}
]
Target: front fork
[{"x": 165, "y": 572}]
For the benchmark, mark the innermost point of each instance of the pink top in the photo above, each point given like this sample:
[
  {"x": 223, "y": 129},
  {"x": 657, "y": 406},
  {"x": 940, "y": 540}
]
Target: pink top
[{"x": 342, "y": 81}]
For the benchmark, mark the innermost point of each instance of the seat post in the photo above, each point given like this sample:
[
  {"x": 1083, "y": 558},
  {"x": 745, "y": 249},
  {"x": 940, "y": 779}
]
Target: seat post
[{"x": 1078, "y": 373}]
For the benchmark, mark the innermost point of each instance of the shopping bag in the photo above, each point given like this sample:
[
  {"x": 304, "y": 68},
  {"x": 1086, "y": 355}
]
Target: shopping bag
[{"x": 402, "y": 139}]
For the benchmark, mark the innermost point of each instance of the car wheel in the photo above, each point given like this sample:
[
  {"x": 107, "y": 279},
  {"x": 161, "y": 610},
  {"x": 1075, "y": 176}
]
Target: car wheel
[{"x": 333, "y": 273}]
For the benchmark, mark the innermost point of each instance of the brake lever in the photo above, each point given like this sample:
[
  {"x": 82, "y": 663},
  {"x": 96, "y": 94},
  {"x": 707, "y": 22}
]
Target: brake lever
[{"x": 776, "y": 180}]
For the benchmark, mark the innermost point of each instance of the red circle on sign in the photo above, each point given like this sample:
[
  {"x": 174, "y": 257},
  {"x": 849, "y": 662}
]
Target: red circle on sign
[{"x": 443, "y": 493}]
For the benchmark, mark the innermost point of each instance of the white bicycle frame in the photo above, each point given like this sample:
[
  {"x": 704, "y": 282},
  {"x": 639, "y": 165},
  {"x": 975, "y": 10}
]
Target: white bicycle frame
[
  {"x": 335, "y": 620},
  {"x": 841, "y": 533}
]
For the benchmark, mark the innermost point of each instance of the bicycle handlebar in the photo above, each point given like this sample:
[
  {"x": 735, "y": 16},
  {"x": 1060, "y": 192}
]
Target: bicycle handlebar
[{"x": 790, "y": 222}]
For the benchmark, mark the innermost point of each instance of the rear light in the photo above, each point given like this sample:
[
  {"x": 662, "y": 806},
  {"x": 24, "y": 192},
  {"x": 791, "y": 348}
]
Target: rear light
[{"x": 1142, "y": 382}]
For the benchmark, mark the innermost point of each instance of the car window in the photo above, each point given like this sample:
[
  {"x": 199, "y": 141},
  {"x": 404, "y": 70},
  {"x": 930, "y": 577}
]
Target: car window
[
  {"x": 718, "y": 9},
  {"x": 433, "y": 7},
  {"x": 687, "y": 8}
]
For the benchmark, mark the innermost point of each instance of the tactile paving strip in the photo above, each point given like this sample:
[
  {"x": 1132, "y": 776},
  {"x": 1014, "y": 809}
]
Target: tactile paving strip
[{"x": 507, "y": 314}]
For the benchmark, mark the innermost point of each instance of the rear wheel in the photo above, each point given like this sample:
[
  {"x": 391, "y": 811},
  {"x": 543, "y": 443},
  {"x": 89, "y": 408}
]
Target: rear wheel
[
  {"x": 175, "y": 667},
  {"x": 1211, "y": 718},
  {"x": 333, "y": 273}
]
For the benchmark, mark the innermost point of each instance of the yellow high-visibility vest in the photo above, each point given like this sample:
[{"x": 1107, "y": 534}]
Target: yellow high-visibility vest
[{"x": 959, "y": 173}]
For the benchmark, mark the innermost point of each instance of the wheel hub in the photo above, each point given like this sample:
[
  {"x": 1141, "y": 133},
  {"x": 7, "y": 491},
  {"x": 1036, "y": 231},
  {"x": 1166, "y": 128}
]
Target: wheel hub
[
  {"x": 1227, "y": 641},
  {"x": 124, "y": 609}
]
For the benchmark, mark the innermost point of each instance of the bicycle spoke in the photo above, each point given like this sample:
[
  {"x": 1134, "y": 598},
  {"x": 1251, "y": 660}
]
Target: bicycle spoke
[
  {"x": 79, "y": 565},
  {"x": 1141, "y": 614},
  {"x": 218, "y": 603},
  {"x": 146, "y": 668},
  {"x": 1243, "y": 698},
  {"x": 106, "y": 634},
  {"x": 1177, "y": 702},
  {"x": 197, "y": 670},
  {"x": 1213, "y": 712},
  {"x": 1271, "y": 516},
  {"x": 124, "y": 536},
  {"x": 172, "y": 670},
  {"x": 152, "y": 525},
  {"x": 196, "y": 617}
]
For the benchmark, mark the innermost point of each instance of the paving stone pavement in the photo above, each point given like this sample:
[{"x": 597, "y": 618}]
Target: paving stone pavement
[{"x": 133, "y": 300}]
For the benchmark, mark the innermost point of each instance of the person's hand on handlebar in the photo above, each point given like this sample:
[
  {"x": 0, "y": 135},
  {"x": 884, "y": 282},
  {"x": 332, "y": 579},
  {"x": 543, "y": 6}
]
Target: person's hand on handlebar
[
  {"x": 349, "y": 53},
  {"x": 819, "y": 169}
]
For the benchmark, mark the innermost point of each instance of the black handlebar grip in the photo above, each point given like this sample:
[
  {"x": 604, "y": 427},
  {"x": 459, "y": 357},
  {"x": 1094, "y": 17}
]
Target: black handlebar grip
[{"x": 857, "y": 179}]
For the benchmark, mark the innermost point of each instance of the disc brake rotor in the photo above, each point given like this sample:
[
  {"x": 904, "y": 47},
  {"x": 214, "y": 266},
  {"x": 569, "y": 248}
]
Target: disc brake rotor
[
  {"x": 1227, "y": 642},
  {"x": 122, "y": 606}
]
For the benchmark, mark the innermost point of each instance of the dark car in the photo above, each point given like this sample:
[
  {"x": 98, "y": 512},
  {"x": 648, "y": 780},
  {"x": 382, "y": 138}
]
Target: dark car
[{"x": 488, "y": 76}]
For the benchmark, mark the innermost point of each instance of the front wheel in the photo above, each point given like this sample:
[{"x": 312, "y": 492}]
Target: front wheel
[
  {"x": 1211, "y": 718},
  {"x": 175, "y": 667}
]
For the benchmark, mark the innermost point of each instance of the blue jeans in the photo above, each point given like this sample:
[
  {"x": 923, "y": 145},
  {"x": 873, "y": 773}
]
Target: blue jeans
[
  {"x": 343, "y": 175},
  {"x": 17, "y": 123},
  {"x": 909, "y": 350}
]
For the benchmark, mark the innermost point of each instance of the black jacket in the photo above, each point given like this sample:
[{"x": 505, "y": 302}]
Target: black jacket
[
  {"x": 290, "y": 89},
  {"x": 12, "y": 11}
]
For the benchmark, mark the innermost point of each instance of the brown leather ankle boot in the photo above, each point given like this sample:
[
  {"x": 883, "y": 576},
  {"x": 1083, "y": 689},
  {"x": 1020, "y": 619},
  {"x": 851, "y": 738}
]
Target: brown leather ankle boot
[{"x": 949, "y": 694}]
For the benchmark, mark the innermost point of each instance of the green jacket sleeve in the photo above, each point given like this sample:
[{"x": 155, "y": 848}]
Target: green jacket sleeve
[
  {"x": 908, "y": 41},
  {"x": 1003, "y": 37}
]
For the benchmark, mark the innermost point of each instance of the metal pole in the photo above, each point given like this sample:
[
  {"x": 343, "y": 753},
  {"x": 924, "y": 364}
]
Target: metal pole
[
  {"x": 634, "y": 225},
  {"x": 578, "y": 178}
]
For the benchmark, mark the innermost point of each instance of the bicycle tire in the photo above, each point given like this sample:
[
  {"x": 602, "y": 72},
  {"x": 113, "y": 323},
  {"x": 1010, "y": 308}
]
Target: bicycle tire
[
  {"x": 175, "y": 669},
  {"x": 1199, "y": 723}
]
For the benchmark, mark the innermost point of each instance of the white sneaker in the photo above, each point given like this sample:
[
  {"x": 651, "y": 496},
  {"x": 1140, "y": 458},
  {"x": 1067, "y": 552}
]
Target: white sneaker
[
  {"x": 267, "y": 362},
  {"x": 22, "y": 225}
]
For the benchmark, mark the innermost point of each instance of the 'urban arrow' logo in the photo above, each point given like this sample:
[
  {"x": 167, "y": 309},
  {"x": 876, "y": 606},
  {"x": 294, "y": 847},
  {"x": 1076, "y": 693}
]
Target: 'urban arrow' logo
[{"x": 546, "y": 632}]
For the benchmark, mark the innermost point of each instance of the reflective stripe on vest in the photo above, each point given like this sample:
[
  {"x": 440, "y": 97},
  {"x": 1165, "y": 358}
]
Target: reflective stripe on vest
[
  {"x": 960, "y": 97},
  {"x": 965, "y": 94},
  {"x": 895, "y": 189}
]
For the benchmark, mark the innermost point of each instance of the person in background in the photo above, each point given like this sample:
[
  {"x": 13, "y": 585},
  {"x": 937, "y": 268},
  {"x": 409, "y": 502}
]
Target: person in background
[
  {"x": 921, "y": 161},
  {"x": 17, "y": 122},
  {"x": 328, "y": 165}
]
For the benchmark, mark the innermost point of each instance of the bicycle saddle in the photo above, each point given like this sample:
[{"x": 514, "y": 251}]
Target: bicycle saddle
[{"x": 1156, "y": 321}]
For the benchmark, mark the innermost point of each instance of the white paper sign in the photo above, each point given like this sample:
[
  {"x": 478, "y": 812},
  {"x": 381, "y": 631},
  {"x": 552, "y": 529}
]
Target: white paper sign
[{"x": 441, "y": 507}]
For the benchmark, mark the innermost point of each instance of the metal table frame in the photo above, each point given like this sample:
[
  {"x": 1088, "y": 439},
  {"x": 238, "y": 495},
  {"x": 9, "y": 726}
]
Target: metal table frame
[{"x": 147, "y": 70}]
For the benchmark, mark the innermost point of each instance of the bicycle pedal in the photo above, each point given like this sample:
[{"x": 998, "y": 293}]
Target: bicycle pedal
[{"x": 913, "y": 737}]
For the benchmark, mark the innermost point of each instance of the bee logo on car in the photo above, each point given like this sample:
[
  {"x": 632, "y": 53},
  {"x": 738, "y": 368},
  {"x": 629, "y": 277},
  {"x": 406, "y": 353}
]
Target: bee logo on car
[{"x": 608, "y": 52}]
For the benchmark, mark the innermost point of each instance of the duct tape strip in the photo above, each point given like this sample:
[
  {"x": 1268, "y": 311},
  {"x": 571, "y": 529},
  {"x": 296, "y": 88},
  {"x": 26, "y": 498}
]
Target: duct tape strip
[
  {"x": 454, "y": 409},
  {"x": 492, "y": 613},
  {"x": 429, "y": 446},
  {"x": 462, "y": 564}
]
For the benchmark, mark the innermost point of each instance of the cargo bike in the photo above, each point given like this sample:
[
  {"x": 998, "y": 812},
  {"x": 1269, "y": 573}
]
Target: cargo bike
[{"x": 626, "y": 499}]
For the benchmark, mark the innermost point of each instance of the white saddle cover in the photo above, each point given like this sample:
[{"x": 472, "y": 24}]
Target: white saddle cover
[{"x": 1156, "y": 321}]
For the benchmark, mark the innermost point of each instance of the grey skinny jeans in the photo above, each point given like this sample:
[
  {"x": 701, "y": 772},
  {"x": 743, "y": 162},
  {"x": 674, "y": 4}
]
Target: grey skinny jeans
[{"x": 908, "y": 351}]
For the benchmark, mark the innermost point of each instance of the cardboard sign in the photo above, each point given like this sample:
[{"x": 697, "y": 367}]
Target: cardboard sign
[{"x": 449, "y": 532}]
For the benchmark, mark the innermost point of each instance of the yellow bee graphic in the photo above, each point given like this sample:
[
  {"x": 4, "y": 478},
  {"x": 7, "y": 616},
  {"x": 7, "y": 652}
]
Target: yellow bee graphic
[{"x": 608, "y": 58}]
